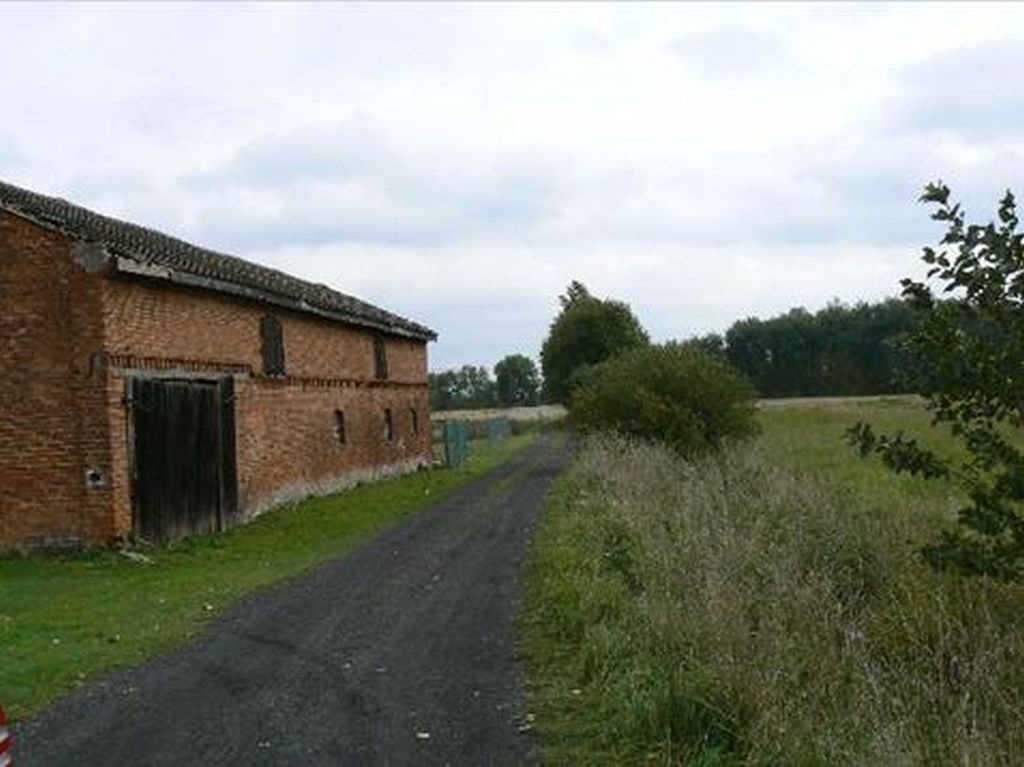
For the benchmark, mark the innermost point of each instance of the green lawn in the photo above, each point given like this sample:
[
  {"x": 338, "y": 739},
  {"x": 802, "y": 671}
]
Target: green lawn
[{"x": 66, "y": 618}]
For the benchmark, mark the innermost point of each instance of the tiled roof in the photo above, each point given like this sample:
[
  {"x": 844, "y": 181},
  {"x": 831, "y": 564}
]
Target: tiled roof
[{"x": 157, "y": 253}]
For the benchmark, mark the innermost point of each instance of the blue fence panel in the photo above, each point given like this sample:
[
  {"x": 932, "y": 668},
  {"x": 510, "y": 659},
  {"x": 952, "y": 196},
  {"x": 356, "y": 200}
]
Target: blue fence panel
[
  {"x": 498, "y": 429},
  {"x": 456, "y": 443}
]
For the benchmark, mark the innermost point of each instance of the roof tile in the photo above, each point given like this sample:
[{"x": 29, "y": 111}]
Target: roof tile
[{"x": 151, "y": 248}]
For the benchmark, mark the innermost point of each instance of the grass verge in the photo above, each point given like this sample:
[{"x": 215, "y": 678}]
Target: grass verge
[
  {"x": 765, "y": 607},
  {"x": 66, "y": 618}
]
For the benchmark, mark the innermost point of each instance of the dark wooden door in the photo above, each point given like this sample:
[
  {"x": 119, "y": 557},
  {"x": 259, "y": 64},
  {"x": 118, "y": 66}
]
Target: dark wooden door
[{"x": 184, "y": 456}]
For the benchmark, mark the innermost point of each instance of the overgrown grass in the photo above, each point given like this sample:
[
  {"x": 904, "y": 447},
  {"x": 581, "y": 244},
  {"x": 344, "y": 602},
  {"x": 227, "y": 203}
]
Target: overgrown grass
[
  {"x": 66, "y": 618},
  {"x": 765, "y": 607}
]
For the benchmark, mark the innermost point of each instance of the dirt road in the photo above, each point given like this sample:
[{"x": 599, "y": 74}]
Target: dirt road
[{"x": 398, "y": 653}]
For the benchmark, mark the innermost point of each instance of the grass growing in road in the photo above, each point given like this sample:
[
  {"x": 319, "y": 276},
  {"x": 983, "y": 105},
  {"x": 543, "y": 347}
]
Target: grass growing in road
[
  {"x": 64, "y": 619},
  {"x": 765, "y": 607}
]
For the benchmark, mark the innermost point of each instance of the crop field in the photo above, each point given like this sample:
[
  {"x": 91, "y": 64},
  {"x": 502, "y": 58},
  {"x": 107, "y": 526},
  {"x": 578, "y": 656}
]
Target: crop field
[{"x": 767, "y": 606}]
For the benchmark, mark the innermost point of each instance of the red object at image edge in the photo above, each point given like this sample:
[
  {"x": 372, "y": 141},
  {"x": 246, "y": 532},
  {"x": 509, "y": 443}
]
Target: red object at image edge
[{"x": 5, "y": 741}]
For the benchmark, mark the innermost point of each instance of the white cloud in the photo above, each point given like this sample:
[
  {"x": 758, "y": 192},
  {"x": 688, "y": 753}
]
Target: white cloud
[{"x": 461, "y": 163}]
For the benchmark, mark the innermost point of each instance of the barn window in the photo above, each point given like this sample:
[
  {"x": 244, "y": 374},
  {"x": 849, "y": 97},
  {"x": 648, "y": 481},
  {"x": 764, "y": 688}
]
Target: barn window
[
  {"x": 414, "y": 421},
  {"x": 380, "y": 357},
  {"x": 339, "y": 427},
  {"x": 389, "y": 425},
  {"x": 272, "y": 346}
]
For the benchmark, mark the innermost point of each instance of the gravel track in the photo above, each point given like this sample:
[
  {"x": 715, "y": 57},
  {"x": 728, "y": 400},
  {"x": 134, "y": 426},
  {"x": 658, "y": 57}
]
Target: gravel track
[{"x": 401, "y": 652}]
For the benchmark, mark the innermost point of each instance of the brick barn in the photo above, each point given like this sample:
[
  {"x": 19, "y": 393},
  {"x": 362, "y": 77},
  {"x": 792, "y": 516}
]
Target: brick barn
[{"x": 152, "y": 389}]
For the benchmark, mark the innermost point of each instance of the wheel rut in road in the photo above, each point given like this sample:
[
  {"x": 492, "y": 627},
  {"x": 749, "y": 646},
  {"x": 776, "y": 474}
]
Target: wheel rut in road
[{"x": 400, "y": 652}]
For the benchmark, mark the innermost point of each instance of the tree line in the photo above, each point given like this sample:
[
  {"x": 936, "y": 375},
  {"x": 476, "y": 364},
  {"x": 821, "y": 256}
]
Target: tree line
[
  {"x": 516, "y": 383},
  {"x": 840, "y": 350}
]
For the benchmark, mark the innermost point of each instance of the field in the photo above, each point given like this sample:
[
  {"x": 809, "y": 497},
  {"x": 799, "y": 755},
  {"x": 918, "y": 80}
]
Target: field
[
  {"x": 539, "y": 413},
  {"x": 64, "y": 619},
  {"x": 768, "y": 606}
]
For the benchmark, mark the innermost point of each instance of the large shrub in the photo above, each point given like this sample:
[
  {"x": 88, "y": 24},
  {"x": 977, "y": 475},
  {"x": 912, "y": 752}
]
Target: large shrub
[{"x": 673, "y": 393}]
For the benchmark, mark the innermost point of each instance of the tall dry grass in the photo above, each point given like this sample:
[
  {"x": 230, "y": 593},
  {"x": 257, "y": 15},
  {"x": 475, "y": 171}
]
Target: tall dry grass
[{"x": 767, "y": 624}]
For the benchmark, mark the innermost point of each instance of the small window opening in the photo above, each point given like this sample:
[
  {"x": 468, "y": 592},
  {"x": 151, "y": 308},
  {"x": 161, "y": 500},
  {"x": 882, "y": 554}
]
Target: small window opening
[
  {"x": 380, "y": 358},
  {"x": 272, "y": 346},
  {"x": 414, "y": 421},
  {"x": 339, "y": 427},
  {"x": 389, "y": 426}
]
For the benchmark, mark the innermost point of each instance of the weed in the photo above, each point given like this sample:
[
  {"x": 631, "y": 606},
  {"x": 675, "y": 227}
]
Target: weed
[{"x": 751, "y": 614}]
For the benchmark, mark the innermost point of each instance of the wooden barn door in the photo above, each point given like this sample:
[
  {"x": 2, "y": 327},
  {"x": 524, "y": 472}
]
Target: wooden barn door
[{"x": 184, "y": 456}]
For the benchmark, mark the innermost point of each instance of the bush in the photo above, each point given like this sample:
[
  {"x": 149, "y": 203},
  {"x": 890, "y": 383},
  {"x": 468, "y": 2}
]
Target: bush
[{"x": 672, "y": 393}]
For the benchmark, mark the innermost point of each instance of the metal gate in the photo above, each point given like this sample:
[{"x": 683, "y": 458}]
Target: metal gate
[{"x": 184, "y": 477}]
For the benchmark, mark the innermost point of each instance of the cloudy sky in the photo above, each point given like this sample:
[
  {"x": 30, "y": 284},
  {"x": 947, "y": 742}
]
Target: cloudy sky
[{"x": 460, "y": 164}]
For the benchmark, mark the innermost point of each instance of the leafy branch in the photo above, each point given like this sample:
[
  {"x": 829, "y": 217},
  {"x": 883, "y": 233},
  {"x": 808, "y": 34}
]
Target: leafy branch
[{"x": 966, "y": 356}]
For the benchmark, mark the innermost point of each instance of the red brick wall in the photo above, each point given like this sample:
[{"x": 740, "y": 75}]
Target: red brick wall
[
  {"x": 70, "y": 339},
  {"x": 287, "y": 445},
  {"x": 52, "y": 425},
  {"x": 153, "y": 318}
]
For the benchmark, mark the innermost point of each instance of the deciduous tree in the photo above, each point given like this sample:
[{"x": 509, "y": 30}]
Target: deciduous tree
[
  {"x": 587, "y": 331},
  {"x": 967, "y": 358},
  {"x": 517, "y": 381}
]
